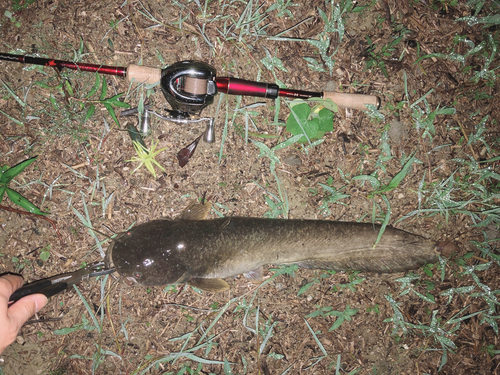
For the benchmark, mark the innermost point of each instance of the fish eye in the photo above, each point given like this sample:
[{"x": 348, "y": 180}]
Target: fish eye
[{"x": 137, "y": 275}]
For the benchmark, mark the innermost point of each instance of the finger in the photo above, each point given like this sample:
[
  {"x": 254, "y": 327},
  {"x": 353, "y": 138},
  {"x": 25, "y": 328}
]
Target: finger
[
  {"x": 8, "y": 284},
  {"x": 26, "y": 307}
]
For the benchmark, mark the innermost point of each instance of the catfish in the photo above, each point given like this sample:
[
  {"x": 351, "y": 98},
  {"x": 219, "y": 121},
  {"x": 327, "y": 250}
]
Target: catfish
[{"x": 202, "y": 252}]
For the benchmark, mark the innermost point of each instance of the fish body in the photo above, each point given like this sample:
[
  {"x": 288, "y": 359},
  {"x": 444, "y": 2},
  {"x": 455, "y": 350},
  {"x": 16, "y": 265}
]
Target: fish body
[{"x": 203, "y": 252}]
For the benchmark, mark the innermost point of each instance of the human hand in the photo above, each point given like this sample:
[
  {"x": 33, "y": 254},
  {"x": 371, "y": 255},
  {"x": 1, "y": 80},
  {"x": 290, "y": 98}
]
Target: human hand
[{"x": 14, "y": 316}]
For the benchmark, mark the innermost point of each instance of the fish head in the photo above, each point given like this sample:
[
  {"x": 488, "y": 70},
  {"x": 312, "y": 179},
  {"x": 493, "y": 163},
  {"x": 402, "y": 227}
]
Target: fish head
[
  {"x": 108, "y": 261},
  {"x": 148, "y": 255}
]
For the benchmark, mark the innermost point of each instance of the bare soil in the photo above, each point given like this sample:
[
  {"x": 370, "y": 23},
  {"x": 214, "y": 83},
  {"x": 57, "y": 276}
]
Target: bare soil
[{"x": 139, "y": 324}]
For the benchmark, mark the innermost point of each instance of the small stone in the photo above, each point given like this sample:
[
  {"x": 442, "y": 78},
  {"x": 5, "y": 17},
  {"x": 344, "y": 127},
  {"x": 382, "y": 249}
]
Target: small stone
[{"x": 292, "y": 159}]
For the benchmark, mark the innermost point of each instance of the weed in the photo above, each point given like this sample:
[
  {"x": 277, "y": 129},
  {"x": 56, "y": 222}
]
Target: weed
[
  {"x": 206, "y": 341},
  {"x": 376, "y": 184},
  {"x": 12, "y": 18},
  {"x": 329, "y": 311},
  {"x": 478, "y": 136},
  {"x": 442, "y": 332},
  {"x": 315, "y": 280},
  {"x": 320, "y": 345},
  {"x": 334, "y": 23},
  {"x": 275, "y": 209},
  {"x": 248, "y": 114},
  {"x": 424, "y": 117},
  {"x": 487, "y": 50},
  {"x": 375, "y": 309},
  {"x": 20, "y": 264},
  {"x": 88, "y": 224},
  {"x": 285, "y": 270},
  {"x": 272, "y": 62},
  {"x": 22, "y": 102},
  {"x": 7, "y": 174},
  {"x": 147, "y": 157},
  {"x": 282, "y": 8},
  {"x": 311, "y": 124},
  {"x": 354, "y": 280},
  {"x": 248, "y": 27},
  {"x": 85, "y": 325},
  {"x": 265, "y": 151},
  {"x": 266, "y": 331},
  {"x": 468, "y": 195},
  {"x": 99, "y": 356},
  {"x": 45, "y": 253},
  {"x": 377, "y": 57},
  {"x": 395, "y": 181},
  {"x": 108, "y": 103},
  {"x": 491, "y": 350},
  {"x": 331, "y": 195},
  {"x": 226, "y": 122},
  {"x": 407, "y": 286}
]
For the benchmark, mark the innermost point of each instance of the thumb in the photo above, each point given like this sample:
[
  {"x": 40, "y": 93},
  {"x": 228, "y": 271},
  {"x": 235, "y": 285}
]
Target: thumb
[{"x": 23, "y": 309}]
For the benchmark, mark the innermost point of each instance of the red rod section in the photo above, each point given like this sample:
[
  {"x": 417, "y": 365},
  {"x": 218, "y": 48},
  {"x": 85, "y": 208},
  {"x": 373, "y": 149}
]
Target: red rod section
[
  {"x": 237, "y": 86},
  {"x": 299, "y": 94},
  {"x": 103, "y": 69}
]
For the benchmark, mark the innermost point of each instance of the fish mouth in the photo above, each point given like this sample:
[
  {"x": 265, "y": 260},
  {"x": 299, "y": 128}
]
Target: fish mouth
[
  {"x": 108, "y": 261},
  {"x": 130, "y": 281}
]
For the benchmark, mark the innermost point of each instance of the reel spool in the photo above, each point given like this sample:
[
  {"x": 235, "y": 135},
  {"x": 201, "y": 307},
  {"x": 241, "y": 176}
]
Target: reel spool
[{"x": 189, "y": 86}]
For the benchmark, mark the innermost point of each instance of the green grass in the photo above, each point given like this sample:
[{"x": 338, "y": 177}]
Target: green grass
[{"x": 7, "y": 175}]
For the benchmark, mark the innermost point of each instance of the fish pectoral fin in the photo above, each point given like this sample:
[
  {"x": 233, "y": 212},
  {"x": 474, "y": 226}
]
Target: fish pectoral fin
[
  {"x": 209, "y": 285},
  {"x": 184, "y": 278},
  {"x": 256, "y": 275},
  {"x": 195, "y": 211}
]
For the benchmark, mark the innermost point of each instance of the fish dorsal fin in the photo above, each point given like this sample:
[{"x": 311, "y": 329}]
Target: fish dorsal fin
[
  {"x": 209, "y": 285},
  {"x": 195, "y": 211},
  {"x": 256, "y": 275}
]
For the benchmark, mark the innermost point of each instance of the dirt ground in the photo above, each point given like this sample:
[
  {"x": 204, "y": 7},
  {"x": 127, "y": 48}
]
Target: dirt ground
[{"x": 138, "y": 326}]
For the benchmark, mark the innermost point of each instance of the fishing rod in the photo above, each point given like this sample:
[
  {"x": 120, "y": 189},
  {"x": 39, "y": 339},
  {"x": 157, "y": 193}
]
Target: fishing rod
[{"x": 189, "y": 86}]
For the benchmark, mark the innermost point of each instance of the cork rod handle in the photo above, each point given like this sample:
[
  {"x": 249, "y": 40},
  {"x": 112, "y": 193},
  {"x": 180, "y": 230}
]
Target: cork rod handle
[
  {"x": 143, "y": 74},
  {"x": 353, "y": 101}
]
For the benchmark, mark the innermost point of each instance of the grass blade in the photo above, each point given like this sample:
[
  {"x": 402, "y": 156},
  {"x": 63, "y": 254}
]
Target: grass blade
[
  {"x": 10, "y": 173},
  {"x": 24, "y": 203},
  {"x": 396, "y": 179}
]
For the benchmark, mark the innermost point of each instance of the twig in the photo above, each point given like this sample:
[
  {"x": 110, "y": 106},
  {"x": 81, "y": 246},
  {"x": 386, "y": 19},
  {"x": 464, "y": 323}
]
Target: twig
[
  {"x": 190, "y": 307},
  {"x": 42, "y": 217},
  {"x": 466, "y": 138}
]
